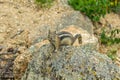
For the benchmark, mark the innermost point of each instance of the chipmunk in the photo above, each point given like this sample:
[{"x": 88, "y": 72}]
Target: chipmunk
[{"x": 62, "y": 38}]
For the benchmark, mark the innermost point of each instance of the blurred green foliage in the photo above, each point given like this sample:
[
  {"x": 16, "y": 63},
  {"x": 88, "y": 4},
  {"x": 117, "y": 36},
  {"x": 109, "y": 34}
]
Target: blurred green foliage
[
  {"x": 44, "y": 3},
  {"x": 115, "y": 5},
  {"x": 112, "y": 54},
  {"x": 111, "y": 39},
  {"x": 94, "y": 9}
]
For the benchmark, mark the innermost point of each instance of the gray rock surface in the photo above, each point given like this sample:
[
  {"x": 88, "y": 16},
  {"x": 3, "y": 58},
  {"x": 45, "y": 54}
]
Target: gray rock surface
[{"x": 71, "y": 63}]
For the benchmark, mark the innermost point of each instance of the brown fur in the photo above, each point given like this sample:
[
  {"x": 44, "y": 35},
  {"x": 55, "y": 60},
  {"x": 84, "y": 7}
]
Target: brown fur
[{"x": 62, "y": 38}]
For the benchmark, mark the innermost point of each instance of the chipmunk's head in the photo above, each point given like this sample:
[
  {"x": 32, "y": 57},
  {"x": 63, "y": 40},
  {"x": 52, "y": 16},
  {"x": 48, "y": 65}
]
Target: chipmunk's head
[{"x": 51, "y": 35}]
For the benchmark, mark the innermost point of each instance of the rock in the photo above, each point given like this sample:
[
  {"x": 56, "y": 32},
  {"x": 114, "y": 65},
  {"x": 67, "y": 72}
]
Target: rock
[
  {"x": 20, "y": 64},
  {"x": 71, "y": 63},
  {"x": 22, "y": 60}
]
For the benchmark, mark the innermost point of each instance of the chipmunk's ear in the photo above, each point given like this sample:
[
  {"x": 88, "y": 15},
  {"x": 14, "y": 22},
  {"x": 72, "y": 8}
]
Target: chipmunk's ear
[
  {"x": 48, "y": 31},
  {"x": 55, "y": 32},
  {"x": 48, "y": 34}
]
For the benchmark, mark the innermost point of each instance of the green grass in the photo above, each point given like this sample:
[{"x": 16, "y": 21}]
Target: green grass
[
  {"x": 44, "y": 3},
  {"x": 94, "y": 9},
  {"x": 112, "y": 54},
  {"x": 110, "y": 39}
]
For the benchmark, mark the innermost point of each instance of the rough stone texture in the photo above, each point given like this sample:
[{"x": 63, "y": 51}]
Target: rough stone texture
[
  {"x": 71, "y": 63},
  {"x": 20, "y": 64}
]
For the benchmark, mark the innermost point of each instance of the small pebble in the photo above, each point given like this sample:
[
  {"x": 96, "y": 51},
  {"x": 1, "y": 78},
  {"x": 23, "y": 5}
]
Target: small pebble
[{"x": 10, "y": 50}]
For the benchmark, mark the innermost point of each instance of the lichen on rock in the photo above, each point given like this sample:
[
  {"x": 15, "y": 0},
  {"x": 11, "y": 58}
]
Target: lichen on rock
[{"x": 71, "y": 63}]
